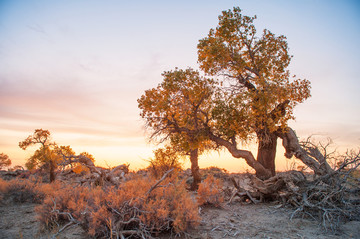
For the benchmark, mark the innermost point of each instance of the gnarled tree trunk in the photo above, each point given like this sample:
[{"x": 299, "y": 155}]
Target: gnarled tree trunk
[{"x": 266, "y": 153}]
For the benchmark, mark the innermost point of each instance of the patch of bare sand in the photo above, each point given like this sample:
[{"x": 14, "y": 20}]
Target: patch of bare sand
[{"x": 19, "y": 221}]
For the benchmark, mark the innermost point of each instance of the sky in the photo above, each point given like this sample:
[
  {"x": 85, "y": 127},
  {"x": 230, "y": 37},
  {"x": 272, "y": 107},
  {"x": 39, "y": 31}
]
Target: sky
[{"x": 77, "y": 68}]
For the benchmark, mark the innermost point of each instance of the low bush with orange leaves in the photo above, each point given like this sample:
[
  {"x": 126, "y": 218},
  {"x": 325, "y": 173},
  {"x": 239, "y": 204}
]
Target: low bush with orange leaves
[
  {"x": 135, "y": 208},
  {"x": 210, "y": 192},
  {"x": 21, "y": 190}
]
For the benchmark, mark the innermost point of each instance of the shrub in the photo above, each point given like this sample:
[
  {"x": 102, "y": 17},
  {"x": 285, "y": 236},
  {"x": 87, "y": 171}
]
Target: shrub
[
  {"x": 3, "y": 185},
  {"x": 3, "y": 189},
  {"x": 164, "y": 160},
  {"x": 210, "y": 192},
  {"x": 53, "y": 211},
  {"x": 132, "y": 209},
  {"x": 27, "y": 190},
  {"x": 21, "y": 190}
]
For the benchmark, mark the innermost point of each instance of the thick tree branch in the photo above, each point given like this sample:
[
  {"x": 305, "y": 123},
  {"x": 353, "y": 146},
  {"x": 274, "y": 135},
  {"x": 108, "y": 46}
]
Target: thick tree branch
[{"x": 239, "y": 153}]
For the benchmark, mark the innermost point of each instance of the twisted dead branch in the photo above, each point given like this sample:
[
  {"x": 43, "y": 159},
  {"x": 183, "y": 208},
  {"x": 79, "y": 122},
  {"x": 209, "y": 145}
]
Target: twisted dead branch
[
  {"x": 99, "y": 176},
  {"x": 71, "y": 219},
  {"x": 159, "y": 181}
]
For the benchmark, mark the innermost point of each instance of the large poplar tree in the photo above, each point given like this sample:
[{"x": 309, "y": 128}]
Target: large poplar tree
[{"x": 259, "y": 94}]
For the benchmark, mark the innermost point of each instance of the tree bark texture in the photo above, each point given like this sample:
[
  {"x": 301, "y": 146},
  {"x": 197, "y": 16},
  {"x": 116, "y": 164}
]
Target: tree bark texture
[
  {"x": 194, "y": 158},
  {"x": 266, "y": 153}
]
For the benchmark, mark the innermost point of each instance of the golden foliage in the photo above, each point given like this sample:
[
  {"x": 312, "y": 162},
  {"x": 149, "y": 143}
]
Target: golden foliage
[
  {"x": 254, "y": 97},
  {"x": 49, "y": 155},
  {"x": 40, "y": 136},
  {"x": 178, "y": 107},
  {"x": 263, "y": 95},
  {"x": 164, "y": 160},
  {"x": 4, "y": 160},
  {"x": 88, "y": 155},
  {"x": 45, "y": 155},
  {"x": 78, "y": 169}
]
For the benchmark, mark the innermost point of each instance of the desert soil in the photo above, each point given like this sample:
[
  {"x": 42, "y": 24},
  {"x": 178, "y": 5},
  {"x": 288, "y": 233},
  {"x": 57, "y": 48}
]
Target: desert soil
[{"x": 231, "y": 221}]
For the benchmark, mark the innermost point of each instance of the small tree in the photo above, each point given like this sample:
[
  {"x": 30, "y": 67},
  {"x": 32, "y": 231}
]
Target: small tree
[
  {"x": 4, "y": 161},
  {"x": 175, "y": 111},
  {"x": 45, "y": 156},
  {"x": 165, "y": 159}
]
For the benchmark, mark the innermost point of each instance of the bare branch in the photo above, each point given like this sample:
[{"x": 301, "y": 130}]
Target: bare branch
[{"x": 158, "y": 182}]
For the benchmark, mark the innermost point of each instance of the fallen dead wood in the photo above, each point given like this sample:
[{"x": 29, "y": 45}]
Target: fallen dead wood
[
  {"x": 98, "y": 175},
  {"x": 244, "y": 194},
  {"x": 70, "y": 218},
  {"x": 331, "y": 198},
  {"x": 269, "y": 189}
]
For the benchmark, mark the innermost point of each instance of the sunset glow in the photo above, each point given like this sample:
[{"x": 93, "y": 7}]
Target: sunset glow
[{"x": 77, "y": 68}]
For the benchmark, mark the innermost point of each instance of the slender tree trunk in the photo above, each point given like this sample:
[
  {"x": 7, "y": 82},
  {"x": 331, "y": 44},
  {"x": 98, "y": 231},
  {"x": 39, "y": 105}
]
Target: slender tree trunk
[
  {"x": 52, "y": 171},
  {"x": 266, "y": 153},
  {"x": 194, "y": 157}
]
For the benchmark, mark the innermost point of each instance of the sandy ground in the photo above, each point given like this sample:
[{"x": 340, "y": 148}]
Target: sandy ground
[
  {"x": 231, "y": 221},
  {"x": 19, "y": 221},
  {"x": 262, "y": 221}
]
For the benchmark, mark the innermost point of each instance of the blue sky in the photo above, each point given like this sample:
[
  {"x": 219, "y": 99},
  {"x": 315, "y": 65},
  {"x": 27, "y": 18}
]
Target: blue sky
[{"x": 78, "y": 67}]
